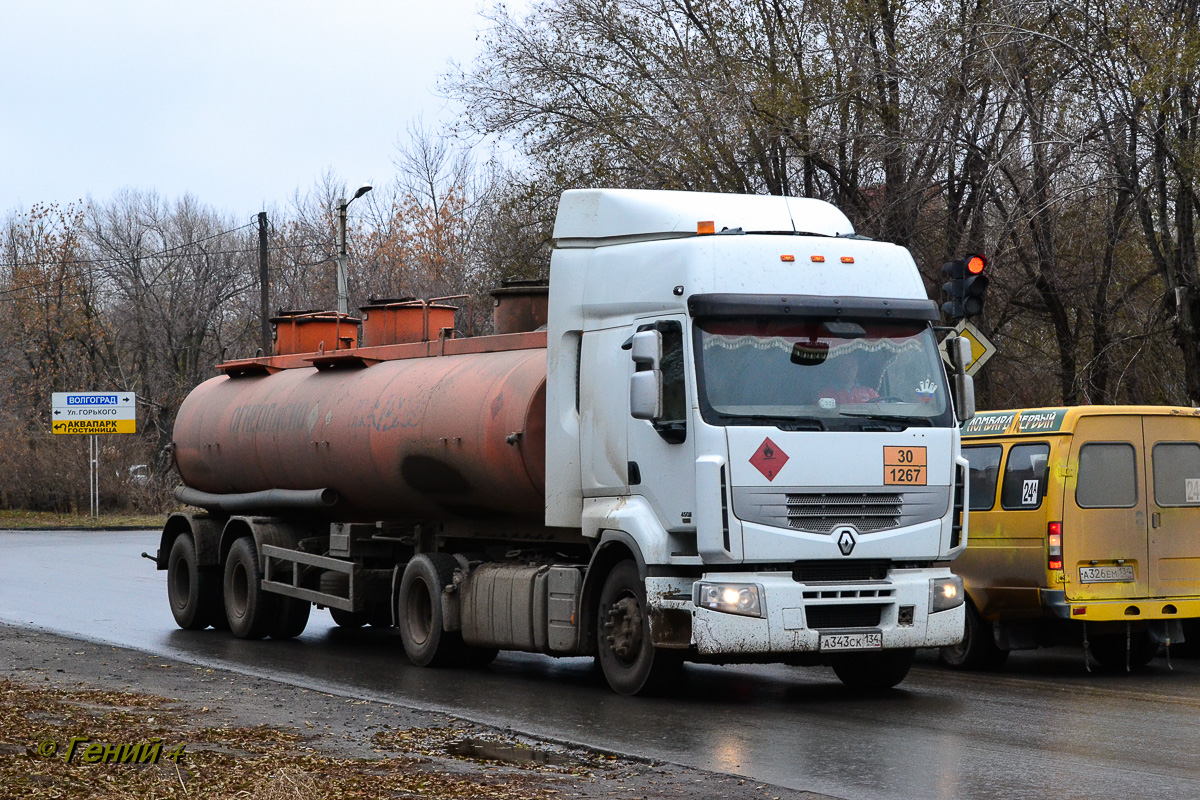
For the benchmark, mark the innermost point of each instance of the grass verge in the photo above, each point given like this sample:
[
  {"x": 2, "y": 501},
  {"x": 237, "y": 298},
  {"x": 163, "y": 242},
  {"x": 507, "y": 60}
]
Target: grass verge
[
  {"x": 263, "y": 762},
  {"x": 48, "y": 520}
]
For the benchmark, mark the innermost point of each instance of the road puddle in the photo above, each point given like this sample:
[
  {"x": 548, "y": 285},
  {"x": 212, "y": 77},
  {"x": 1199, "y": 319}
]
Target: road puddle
[{"x": 484, "y": 750}]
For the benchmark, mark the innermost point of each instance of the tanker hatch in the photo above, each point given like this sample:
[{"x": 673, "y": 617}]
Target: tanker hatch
[
  {"x": 520, "y": 306},
  {"x": 313, "y": 332},
  {"x": 404, "y": 320}
]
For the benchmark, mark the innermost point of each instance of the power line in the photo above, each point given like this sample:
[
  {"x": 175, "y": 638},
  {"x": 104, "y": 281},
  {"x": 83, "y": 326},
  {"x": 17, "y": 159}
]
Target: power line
[
  {"x": 52, "y": 282},
  {"x": 157, "y": 254}
]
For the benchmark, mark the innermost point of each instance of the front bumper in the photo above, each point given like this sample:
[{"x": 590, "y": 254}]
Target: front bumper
[{"x": 788, "y": 622}]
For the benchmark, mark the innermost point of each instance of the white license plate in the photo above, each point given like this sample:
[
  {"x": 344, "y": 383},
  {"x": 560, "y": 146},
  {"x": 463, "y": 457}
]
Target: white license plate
[
  {"x": 851, "y": 641},
  {"x": 1122, "y": 574}
]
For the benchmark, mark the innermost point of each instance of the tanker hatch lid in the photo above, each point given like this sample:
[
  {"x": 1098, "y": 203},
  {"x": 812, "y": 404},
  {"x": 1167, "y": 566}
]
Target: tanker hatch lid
[
  {"x": 594, "y": 217},
  {"x": 245, "y": 367},
  {"x": 340, "y": 359}
]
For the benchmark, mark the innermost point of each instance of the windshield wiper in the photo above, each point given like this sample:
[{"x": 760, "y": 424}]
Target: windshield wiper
[
  {"x": 912, "y": 420},
  {"x": 783, "y": 423}
]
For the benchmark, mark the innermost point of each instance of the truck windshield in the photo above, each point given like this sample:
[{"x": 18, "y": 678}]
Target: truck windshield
[{"x": 820, "y": 374}]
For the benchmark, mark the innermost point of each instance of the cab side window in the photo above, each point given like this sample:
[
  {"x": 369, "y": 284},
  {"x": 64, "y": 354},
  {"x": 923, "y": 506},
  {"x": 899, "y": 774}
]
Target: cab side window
[
  {"x": 985, "y": 473},
  {"x": 1177, "y": 474},
  {"x": 674, "y": 394},
  {"x": 1107, "y": 476},
  {"x": 672, "y": 425},
  {"x": 1025, "y": 476}
]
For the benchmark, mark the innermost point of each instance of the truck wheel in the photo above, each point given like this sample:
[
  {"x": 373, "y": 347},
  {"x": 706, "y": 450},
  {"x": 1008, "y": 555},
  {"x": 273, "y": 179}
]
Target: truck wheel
[
  {"x": 628, "y": 659},
  {"x": 419, "y": 611},
  {"x": 872, "y": 672},
  {"x": 291, "y": 617},
  {"x": 248, "y": 608},
  {"x": 978, "y": 648},
  {"x": 194, "y": 591},
  {"x": 1109, "y": 650}
]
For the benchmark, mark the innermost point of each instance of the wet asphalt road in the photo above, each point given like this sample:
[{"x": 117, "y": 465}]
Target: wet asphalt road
[{"x": 1042, "y": 727}]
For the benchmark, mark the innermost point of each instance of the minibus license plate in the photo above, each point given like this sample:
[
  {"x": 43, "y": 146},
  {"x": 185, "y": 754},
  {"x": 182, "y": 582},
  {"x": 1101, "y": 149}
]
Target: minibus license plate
[
  {"x": 1123, "y": 574},
  {"x": 851, "y": 641}
]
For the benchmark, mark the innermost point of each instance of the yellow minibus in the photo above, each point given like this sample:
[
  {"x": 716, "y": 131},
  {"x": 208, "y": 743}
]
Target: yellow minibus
[{"x": 1084, "y": 527}]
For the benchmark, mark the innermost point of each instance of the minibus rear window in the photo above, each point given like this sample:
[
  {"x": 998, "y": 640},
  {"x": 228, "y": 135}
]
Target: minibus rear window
[
  {"x": 1177, "y": 474},
  {"x": 1107, "y": 476},
  {"x": 985, "y": 472},
  {"x": 1025, "y": 477}
]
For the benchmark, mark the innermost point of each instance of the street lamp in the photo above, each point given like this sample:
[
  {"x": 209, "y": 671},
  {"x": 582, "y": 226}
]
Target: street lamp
[{"x": 343, "y": 288}]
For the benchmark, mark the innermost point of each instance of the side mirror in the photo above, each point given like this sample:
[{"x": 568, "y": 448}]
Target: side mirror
[
  {"x": 964, "y": 391},
  {"x": 646, "y": 385},
  {"x": 646, "y": 394},
  {"x": 959, "y": 350},
  {"x": 962, "y": 355},
  {"x": 647, "y": 349}
]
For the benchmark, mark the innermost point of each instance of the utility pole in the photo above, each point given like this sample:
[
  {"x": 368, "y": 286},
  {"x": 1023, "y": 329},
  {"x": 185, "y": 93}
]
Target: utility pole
[{"x": 264, "y": 284}]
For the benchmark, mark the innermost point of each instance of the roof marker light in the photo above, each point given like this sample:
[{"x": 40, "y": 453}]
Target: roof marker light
[
  {"x": 818, "y": 259},
  {"x": 787, "y": 259},
  {"x": 847, "y": 259},
  {"x": 705, "y": 228}
]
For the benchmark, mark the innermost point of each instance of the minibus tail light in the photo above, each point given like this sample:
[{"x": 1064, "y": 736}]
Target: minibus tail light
[{"x": 1054, "y": 541}]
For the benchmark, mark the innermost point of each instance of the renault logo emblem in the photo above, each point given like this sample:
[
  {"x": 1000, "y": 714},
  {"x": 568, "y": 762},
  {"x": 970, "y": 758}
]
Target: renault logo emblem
[{"x": 846, "y": 542}]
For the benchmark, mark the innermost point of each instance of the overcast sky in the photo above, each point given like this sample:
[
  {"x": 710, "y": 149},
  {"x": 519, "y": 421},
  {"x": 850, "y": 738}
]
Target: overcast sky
[{"x": 238, "y": 103}]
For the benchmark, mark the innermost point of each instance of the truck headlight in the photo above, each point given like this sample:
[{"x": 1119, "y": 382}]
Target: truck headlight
[
  {"x": 945, "y": 593},
  {"x": 730, "y": 598}
]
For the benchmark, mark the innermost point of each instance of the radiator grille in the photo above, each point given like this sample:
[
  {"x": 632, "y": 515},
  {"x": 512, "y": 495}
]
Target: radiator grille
[
  {"x": 839, "y": 571},
  {"x": 822, "y": 512},
  {"x": 843, "y": 616}
]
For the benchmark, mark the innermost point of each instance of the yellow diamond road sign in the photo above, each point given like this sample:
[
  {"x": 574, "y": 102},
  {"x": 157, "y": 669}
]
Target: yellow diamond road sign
[{"x": 981, "y": 347}]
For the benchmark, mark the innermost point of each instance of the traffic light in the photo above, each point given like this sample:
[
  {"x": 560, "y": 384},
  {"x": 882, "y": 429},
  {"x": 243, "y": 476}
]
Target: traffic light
[{"x": 965, "y": 288}]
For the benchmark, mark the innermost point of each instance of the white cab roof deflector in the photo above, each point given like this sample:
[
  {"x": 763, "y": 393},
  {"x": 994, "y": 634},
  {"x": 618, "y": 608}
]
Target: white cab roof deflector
[{"x": 586, "y": 217}]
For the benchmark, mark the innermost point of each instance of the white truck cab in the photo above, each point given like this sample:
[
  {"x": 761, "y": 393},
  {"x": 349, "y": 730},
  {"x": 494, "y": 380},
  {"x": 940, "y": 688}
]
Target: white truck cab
[{"x": 749, "y": 397}]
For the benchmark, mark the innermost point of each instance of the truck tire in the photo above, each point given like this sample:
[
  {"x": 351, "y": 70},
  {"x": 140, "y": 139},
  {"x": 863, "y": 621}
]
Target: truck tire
[
  {"x": 630, "y": 662},
  {"x": 291, "y": 617},
  {"x": 978, "y": 648},
  {"x": 419, "y": 611},
  {"x": 249, "y": 609},
  {"x": 873, "y": 672},
  {"x": 193, "y": 591}
]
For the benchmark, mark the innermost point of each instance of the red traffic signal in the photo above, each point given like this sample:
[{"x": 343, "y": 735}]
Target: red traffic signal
[{"x": 965, "y": 287}]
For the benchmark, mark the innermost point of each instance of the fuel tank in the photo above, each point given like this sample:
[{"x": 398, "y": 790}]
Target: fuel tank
[{"x": 409, "y": 439}]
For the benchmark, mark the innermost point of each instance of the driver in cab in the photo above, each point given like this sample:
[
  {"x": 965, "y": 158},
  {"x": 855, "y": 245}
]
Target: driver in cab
[{"x": 843, "y": 386}]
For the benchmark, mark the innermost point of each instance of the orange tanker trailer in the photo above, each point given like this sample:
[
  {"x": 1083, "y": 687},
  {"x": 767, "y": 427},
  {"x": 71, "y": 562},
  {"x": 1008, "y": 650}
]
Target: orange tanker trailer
[{"x": 395, "y": 433}]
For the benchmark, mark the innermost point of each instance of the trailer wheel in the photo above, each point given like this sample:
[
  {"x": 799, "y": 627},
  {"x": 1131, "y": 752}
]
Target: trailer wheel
[
  {"x": 873, "y": 672},
  {"x": 419, "y": 611},
  {"x": 291, "y": 617},
  {"x": 978, "y": 648},
  {"x": 193, "y": 591},
  {"x": 248, "y": 608},
  {"x": 630, "y": 662}
]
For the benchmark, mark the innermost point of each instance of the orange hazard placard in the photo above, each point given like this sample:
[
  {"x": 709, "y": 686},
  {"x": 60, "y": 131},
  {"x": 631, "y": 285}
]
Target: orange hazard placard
[{"x": 904, "y": 466}]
